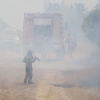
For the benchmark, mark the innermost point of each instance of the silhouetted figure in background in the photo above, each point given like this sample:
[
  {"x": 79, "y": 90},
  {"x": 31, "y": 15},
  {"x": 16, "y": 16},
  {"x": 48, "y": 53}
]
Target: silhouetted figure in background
[{"x": 71, "y": 44}]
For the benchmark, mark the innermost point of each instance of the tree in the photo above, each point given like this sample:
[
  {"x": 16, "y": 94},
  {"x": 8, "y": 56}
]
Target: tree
[
  {"x": 73, "y": 15},
  {"x": 91, "y": 26},
  {"x": 80, "y": 7},
  {"x": 3, "y": 25},
  {"x": 53, "y": 8}
]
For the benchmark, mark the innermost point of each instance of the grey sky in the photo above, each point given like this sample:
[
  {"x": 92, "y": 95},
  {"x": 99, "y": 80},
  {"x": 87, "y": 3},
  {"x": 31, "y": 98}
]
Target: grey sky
[{"x": 12, "y": 11}]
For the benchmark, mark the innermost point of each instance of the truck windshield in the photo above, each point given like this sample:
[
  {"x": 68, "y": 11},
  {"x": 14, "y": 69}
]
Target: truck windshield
[{"x": 41, "y": 31}]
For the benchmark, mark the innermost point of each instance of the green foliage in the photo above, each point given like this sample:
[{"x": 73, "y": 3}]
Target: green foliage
[
  {"x": 53, "y": 8},
  {"x": 73, "y": 16},
  {"x": 91, "y": 26}
]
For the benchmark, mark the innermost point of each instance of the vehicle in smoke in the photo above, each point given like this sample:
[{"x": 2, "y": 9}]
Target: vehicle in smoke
[
  {"x": 9, "y": 40},
  {"x": 44, "y": 33}
]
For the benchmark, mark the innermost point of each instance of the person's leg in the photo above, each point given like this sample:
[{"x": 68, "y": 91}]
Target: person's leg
[
  {"x": 26, "y": 77},
  {"x": 30, "y": 77}
]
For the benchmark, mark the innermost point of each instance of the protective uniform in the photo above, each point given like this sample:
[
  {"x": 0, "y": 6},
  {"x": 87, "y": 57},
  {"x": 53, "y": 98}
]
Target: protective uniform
[{"x": 29, "y": 59}]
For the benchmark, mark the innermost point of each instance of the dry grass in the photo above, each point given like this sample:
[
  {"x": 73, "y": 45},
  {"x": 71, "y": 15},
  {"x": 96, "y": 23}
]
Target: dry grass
[
  {"x": 83, "y": 93},
  {"x": 76, "y": 85}
]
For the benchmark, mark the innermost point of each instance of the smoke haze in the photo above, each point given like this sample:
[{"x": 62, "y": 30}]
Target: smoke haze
[{"x": 12, "y": 11}]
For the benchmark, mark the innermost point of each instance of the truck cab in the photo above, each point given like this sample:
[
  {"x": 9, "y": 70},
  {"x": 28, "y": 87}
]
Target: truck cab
[
  {"x": 44, "y": 33},
  {"x": 9, "y": 40}
]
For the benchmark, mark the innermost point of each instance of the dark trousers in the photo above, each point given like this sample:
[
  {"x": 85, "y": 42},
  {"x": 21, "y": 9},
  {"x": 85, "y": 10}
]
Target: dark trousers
[{"x": 28, "y": 76}]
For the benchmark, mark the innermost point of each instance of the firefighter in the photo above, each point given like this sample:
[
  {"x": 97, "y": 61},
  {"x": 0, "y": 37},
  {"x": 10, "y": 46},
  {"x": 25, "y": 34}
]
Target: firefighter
[
  {"x": 29, "y": 59},
  {"x": 71, "y": 44}
]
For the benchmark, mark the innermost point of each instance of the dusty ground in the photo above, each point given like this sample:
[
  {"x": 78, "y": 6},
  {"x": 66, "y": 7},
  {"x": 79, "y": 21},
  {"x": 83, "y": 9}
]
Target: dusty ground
[{"x": 71, "y": 79}]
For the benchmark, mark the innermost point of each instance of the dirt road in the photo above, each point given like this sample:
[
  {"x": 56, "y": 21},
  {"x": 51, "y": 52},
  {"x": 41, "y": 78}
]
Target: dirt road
[
  {"x": 52, "y": 80},
  {"x": 13, "y": 88},
  {"x": 49, "y": 84},
  {"x": 44, "y": 87}
]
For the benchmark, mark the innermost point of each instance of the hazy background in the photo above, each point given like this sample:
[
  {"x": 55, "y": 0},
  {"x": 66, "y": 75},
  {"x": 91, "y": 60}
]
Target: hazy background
[
  {"x": 11, "y": 11},
  {"x": 76, "y": 78}
]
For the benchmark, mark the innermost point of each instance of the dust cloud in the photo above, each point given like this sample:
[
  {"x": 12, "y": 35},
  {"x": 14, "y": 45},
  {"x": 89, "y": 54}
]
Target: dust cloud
[
  {"x": 58, "y": 75},
  {"x": 79, "y": 73}
]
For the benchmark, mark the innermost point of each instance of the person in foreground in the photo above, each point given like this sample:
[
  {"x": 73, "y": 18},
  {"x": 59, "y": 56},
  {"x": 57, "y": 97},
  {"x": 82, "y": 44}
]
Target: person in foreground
[{"x": 29, "y": 59}]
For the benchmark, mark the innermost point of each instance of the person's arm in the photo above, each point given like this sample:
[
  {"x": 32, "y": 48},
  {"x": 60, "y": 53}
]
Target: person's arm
[
  {"x": 33, "y": 59},
  {"x": 38, "y": 59}
]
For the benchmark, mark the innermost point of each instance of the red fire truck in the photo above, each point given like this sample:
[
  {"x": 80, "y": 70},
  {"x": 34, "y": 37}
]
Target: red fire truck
[{"x": 44, "y": 33}]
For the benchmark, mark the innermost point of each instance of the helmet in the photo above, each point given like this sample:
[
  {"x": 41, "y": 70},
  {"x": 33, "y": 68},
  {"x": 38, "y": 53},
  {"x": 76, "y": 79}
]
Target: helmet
[{"x": 29, "y": 52}]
